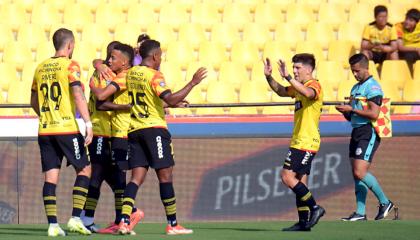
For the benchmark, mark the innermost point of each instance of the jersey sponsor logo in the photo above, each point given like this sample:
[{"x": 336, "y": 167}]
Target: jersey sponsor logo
[
  {"x": 99, "y": 145},
  {"x": 76, "y": 148},
  {"x": 159, "y": 146}
]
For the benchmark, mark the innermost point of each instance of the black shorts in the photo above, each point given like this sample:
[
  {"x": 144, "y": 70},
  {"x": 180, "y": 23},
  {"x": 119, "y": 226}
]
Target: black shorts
[
  {"x": 99, "y": 150},
  {"x": 150, "y": 147},
  {"x": 119, "y": 148},
  {"x": 53, "y": 148},
  {"x": 379, "y": 57},
  {"x": 363, "y": 143},
  {"x": 299, "y": 161}
]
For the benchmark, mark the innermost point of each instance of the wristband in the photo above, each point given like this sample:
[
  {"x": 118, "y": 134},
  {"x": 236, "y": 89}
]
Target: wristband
[
  {"x": 288, "y": 78},
  {"x": 88, "y": 124}
]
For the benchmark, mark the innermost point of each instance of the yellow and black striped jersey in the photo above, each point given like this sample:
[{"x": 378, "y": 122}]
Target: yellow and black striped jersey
[{"x": 101, "y": 120}]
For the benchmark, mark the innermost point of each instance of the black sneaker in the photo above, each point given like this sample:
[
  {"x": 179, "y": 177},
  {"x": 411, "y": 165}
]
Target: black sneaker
[
  {"x": 354, "y": 217},
  {"x": 316, "y": 214},
  {"x": 384, "y": 210},
  {"x": 297, "y": 227}
]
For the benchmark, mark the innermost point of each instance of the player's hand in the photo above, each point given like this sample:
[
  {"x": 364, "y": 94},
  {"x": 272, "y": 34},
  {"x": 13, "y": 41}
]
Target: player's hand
[
  {"x": 344, "y": 108},
  {"x": 268, "y": 69},
  {"x": 183, "y": 104},
  {"x": 282, "y": 68},
  {"x": 92, "y": 82},
  {"x": 105, "y": 72},
  {"x": 89, "y": 136},
  {"x": 199, "y": 76}
]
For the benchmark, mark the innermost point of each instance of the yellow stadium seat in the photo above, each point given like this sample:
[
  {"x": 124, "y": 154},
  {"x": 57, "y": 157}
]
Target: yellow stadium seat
[
  {"x": 330, "y": 73},
  {"x": 225, "y": 34},
  {"x": 211, "y": 75},
  {"x": 374, "y": 2},
  {"x": 6, "y": 35},
  {"x": 268, "y": 15},
  {"x": 172, "y": 73},
  {"x": 16, "y": 52},
  {"x": 321, "y": 33},
  {"x": 283, "y": 3},
  {"x": 28, "y": 72},
  {"x": 251, "y": 4},
  {"x": 313, "y": 4},
  {"x": 163, "y": 32},
  {"x": 395, "y": 72},
  {"x": 276, "y": 110},
  {"x": 397, "y": 11},
  {"x": 187, "y": 4},
  {"x": 192, "y": 33},
  {"x": 237, "y": 14},
  {"x": 211, "y": 111},
  {"x": 213, "y": 53},
  {"x": 340, "y": 50},
  {"x": 205, "y": 14},
  {"x": 233, "y": 73},
  {"x": 300, "y": 14},
  {"x": 287, "y": 109},
  {"x": 194, "y": 97},
  {"x": 257, "y": 34},
  {"x": 220, "y": 4},
  {"x": 344, "y": 88},
  {"x": 361, "y": 13},
  {"x": 351, "y": 32},
  {"x": 45, "y": 14},
  {"x": 329, "y": 94},
  {"x": 92, "y": 5},
  {"x": 254, "y": 92},
  {"x": 14, "y": 15},
  {"x": 84, "y": 54},
  {"x": 77, "y": 15},
  {"x": 181, "y": 53},
  {"x": 127, "y": 33},
  {"x": 109, "y": 15},
  {"x": 125, "y": 5},
  {"x": 411, "y": 91},
  {"x": 19, "y": 92},
  {"x": 243, "y": 111},
  {"x": 44, "y": 50},
  {"x": 346, "y": 4},
  {"x": 292, "y": 31},
  {"x": 157, "y": 4},
  {"x": 31, "y": 35},
  {"x": 9, "y": 74},
  {"x": 179, "y": 111},
  {"x": 11, "y": 112},
  {"x": 221, "y": 92},
  {"x": 245, "y": 53},
  {"x": 416, "y": 72},
  {"x": 174, "y": 15},
  {"x": 28, "y": 5},
  {"x": 390, "y": 91},
  {"x": 97, "y": 34},
  {"x": 142, "y": 14},
  {"x": 310, "y": 47},
  {"x": 275, "y": 50},
  {"x": 373, "y": 71},
  {"x": 333, "y": 14},
  {"x": 59, "y": 5}
]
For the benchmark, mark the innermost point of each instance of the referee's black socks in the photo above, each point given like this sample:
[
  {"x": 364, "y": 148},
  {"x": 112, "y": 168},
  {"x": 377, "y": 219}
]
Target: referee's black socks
[
  {"x": 167, "y": 195},
  {"x": 50, "y": 205},
  {"x": 80, "y": 191}
]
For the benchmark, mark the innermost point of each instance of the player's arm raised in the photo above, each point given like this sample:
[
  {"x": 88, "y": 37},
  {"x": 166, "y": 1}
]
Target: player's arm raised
[
  {"x": 277, "y": 88},
  {"x": 81, "y": 106},
  {"x": 308, "y": 92},
  {"x": 173, "y": 99}
]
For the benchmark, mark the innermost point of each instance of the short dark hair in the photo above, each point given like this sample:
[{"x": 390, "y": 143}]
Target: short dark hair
[
  {"x": 378, "y": 9},
  {"x": 142, "y": 37},
  {"x": 61, "y": 37},
  {"x": 127, "y": 50},
  {"x": 109, "y": 49},
  {"x": 147, "y": 47},
  {"x": 359, "y": 58},
  {"x": 304, "y": 58},
  {"x": 413, "y": 14}
]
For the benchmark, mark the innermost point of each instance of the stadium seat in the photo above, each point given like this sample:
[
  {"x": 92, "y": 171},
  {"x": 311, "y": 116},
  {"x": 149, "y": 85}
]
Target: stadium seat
[
  {"x": 31, "y": 35},
  {"x": 157, "y": 4},
  {"x": 341, "y": 51},
  {"x": 221, "y": 92},
  {"x": 310, "y": 47},
  {"x": 9, "y": 74},
  {"x": 300, "y": 14},
  {"x": 163, "y": 32},
  {"x": 288, "y": 109},
  {"x": 205, "y": 14},
  {"x": 210, "y": 111},
  {"x": 179, "y": 111},
  {"x": 28, "y": 5},
  {"x": 59, "y": 5},
  {"x": 361, "y": 13},
  {"x": 225, "y": 34},
  {"x": 77, "y": 15},
  {"x": 329, "y": 93},
  {"x": 127, "y": 33},
  {"x": 346, "y": 4},
  {"x": 234, "y": 73},
  {"x": 344, "y": 88},
  {"x": 269, "y": 15},
  {"x": 321, "y": 33},
  {"x": 395, "y": 72},
  {"x": 84, "y": 54},
  {"x": 333, "y": 14},
  {"x": 194, "y": 97},
  {"x": 6, "y": 35},
  {"x": 172, "y": 73},
  {"x": 243, "y": 111},
  {"x": 330, "y": 73},
  {"x": 257, "y": 34},
  {"x": 92, "y": 5},
  {"x": 390, "y": 91},
  {"x": 276, "y": 50},
  {"x": 351, "y": 32},
  {"x": 237, "y": 14},
  {"x": 254, "y": 91},
  {"x": 109, "y": 15},
  {"x": 411, "y": 91},
  {"x": 181, "y": 53},
  {"x": 14, "y": 15},
  {"x": 174, "y": 15},
  {"x": 142, "y": 14},
  {"x": 416, "y": 72},
  {"x": 28, "y": 72},
  {"x": 284, "y": 4},
  {"x": 313, "y": 4},
  {"x": 187, "y": 4},
  {"x": 213, "y": 53},
  {"x": 251, "y": 4},
  {"x": 15, "y": 112},
  {"x": 45, "y": 15},
  {"x": 245, "y": 53},
  {"x": 374, "y": 2},
  {"x": 125, "y": 5},
  {"x": 257, "y": 73},
  {"x": 397, "y": 11},
  {"x": 192, "y": 33},
  {"x": 277, "y": 110},
  {"x": 373, "y": 71},
  {"x": 97, "y": 34},
  {"x": 289, "y": 33},
  {"x": 16, "y": 52},
  {"x": 211, "y": 74},
  {"x": 19, "y": 92}
]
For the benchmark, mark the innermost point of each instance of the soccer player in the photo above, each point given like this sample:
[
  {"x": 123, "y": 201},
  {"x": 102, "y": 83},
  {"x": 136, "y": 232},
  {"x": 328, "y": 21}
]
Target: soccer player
[
  {"x": 148, "y": 137},
  {"x": 305, "y": 141},
  {"x": 56, "y": 91},
  {"x": 379, "y": 40},
  {"x": 409, "y": 37},
  {"x": 364, "y": 139}
]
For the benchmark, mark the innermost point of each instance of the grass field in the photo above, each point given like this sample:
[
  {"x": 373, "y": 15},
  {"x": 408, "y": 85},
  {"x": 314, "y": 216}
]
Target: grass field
[{"x": 325, "y": 230}]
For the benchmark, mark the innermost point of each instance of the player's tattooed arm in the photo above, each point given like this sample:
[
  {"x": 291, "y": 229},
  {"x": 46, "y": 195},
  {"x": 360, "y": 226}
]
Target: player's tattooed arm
[
  {"x": 277, "y": 88},
  {"x": 81, "y": 106}
]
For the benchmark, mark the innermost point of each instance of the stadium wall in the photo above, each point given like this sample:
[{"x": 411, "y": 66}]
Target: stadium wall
[{"x": 230, "y": 172}]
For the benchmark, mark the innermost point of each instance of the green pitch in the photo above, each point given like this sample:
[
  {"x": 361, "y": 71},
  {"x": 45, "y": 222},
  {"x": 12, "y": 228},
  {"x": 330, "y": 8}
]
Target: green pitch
[{"x": 325, "y": 230}]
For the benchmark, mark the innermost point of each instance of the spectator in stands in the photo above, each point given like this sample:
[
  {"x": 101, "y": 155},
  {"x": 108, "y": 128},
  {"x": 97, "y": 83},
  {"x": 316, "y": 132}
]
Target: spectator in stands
[
  {"x": 379, "y": 38},
  {"x": 409, "y": 37},
  {"x": 137, "y": 58}
]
